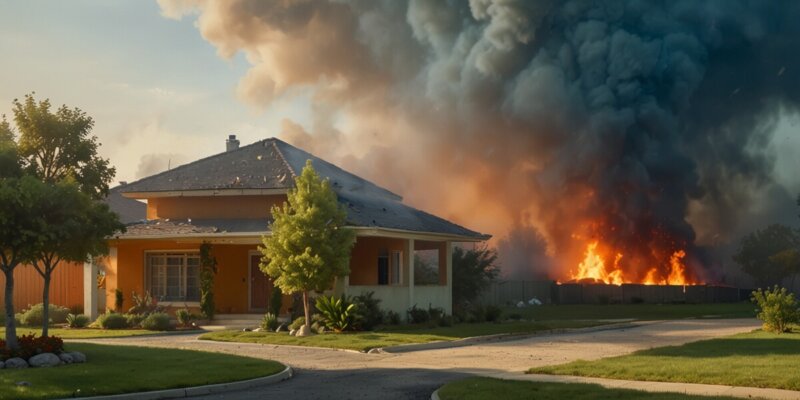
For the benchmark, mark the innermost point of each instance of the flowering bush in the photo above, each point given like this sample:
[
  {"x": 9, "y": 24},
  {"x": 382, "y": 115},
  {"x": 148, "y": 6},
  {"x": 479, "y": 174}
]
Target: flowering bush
[{"x": 30, "y": 345}]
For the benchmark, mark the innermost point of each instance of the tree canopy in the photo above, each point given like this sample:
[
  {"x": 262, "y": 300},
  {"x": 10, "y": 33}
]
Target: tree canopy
[
  {"x": 58, "y": 146},
  {"x": 473, "y": 271},
  {"x": 309, "y": 245},
  {"x": 767, "y": 254}
]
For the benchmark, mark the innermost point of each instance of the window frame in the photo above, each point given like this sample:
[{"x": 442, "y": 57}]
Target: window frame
[{"x": 183, "y": 275}]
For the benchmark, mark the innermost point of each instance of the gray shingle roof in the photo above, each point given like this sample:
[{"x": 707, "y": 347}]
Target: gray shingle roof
[
  {"x": 128, "y": 210},
  {"x": 273, "y": 164}
]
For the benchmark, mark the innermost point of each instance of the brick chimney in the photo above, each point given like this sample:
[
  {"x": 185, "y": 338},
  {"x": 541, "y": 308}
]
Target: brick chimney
[{"x": 232, "y": 143}]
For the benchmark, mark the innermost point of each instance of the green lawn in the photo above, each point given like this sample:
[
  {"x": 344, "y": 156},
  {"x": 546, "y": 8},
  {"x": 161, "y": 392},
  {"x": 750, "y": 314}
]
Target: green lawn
[
  {"x": 755, "y": 359},
  {"x": 364, "y": 341},
  {"x": 124, "y": 369},
  {"x": 89, "y": 333},
  {"x": 634, "y": 311},
  {"x": 489, "y": 388}
]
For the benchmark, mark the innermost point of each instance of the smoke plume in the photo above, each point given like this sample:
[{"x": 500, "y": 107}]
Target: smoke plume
[{"x": 633, "y": 123}]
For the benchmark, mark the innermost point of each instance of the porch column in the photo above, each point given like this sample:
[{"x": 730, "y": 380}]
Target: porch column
[
  {"x": 90, "y": 289},
  {"x": 448, "y": 248},
  {"x": 409, "y": 260}
]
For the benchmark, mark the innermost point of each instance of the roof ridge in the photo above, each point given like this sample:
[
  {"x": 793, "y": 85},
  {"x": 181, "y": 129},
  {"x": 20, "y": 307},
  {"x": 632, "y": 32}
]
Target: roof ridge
[
  {"x": 280, "y": 154},
  {"x": 122, "y": 187}
]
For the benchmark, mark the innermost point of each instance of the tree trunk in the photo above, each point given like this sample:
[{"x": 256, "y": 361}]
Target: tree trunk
[
  {"x": 307, "y": 310},
  {"x": 46, "y": 305},
  {"x": 11, "y": 328}
]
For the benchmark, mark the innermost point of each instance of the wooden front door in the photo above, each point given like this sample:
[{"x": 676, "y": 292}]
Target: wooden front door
[{"x": 260, "y": 286}]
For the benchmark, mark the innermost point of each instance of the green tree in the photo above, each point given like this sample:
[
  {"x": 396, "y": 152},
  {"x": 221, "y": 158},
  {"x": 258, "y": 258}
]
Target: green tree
[
  {"x": 22, "y": 232},
  {"x": 208, "y": 270},
  {"x": 309, "y": 245},
  {"x": 10, "y": 163},
  {"x": 77, "y": 229},
  {"x": 58, "y": 146},
  {"x": 766, "y": 254},
  {"x": 473, "y": 271}
]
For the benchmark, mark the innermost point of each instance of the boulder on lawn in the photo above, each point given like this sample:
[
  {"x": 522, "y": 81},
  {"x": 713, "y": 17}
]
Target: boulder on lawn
[
  {"x": 16, "y": 362},
  {"x": 77, "y": 357},
  {"x": 44, "y": 360},
  {"x": 281, "y": 328},
  {"x": 292, "y": 332},
  {"x": 66, "y": 358}
]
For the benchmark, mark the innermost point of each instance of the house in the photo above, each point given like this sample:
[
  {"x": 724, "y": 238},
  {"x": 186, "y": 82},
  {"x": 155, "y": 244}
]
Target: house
[{"x": 225, "y": 200}]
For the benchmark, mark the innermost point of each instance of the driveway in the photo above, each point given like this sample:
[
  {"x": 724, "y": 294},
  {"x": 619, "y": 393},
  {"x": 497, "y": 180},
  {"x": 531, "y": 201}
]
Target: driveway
[{"x": 334, "y": 374}]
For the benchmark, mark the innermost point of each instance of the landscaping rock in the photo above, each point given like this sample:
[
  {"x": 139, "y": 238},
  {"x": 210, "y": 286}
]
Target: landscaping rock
[
  {"x": 44, "y": 360},
  {"x": 78, "y": 357},
  {"x": 257, "y": 330},
  {"x": 292, "y": 332},
  {"x": 66, "y": 358},
  {"x": 304, "y": 330},
  {"x": 281, "y": 328},
  {"x": 16, "y": 362}
]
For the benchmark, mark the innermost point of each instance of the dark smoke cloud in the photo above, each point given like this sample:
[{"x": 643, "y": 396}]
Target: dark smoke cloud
[{"x": 636, "y": 122}]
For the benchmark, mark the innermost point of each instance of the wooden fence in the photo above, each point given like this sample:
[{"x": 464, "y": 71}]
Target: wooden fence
[{"x": 66, "y": 287}]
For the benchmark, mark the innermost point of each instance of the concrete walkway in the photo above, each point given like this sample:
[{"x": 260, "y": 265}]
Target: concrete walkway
[{"x": 333, "y": 374}]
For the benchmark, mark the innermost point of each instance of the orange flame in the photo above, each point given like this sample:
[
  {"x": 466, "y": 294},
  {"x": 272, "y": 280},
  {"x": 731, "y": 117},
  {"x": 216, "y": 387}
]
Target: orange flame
[{"x": 596, "y": 268}]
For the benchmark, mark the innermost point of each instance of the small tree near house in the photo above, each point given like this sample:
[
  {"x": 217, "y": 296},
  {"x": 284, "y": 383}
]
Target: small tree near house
[
  {"x": 208, "y": 269},
  {"x": 309, "y": 245}
]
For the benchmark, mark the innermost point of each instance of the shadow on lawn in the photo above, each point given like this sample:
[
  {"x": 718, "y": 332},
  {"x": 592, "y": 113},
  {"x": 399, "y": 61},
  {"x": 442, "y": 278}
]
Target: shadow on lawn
[{"x": 785, "y": 344}]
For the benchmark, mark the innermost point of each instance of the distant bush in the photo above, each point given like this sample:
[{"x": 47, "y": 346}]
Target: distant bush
[
  {"x": 515, "y": 316},
  {"x": 77, "y": 320},
  {"x": 418, "y": 315},
  {"x": 112, "y": 320},
  {"x": 476, "y": 313},
  {"x": 446, "y": 320},
  {"x": 157, "y": 322},
  {"x": 134, "y": 320},
  {"x": 297, "y": 323},
  {"x": 185, "y": 317},
  {"x": 392, "y": 318},
  {"x": 777, "y": 309},
  {"x": 269, "y": 322},
  {"x": 33, "y": 316},
  {"x": 492, "y": 313},
  {"x": 369, "y": 312}
]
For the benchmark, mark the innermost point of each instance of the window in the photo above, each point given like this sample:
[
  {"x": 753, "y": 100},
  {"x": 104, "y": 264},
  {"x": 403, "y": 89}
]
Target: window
[
  {"x": 173, "y": 276},
  {"x": 397, "y": 268},
  {"x": 383, "y": 267}
]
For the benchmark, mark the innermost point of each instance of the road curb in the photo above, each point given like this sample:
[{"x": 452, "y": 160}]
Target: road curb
[
  {"x": 287, "y": 373},
  {"x": 405, "y": 348},
  {"x": 435, "y": 395}
]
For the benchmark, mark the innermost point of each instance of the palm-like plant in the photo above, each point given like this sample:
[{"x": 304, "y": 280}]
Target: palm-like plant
[{"x": 337, "y": 314}]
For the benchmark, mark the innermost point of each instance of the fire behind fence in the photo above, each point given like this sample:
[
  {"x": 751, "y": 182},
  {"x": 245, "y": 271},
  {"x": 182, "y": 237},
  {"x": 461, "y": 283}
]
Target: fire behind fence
[{"x": 549, "y": 292}]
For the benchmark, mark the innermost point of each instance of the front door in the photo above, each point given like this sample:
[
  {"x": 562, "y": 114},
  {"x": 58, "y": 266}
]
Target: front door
[{"x": 260, "y": 286}]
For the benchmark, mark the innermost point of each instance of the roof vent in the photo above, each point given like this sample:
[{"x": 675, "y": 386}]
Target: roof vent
[{"x": 232, "y": 143}]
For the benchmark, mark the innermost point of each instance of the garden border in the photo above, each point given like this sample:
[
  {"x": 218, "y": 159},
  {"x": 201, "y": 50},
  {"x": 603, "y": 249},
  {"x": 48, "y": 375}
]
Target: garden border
[{"x": 286, "y": 374}]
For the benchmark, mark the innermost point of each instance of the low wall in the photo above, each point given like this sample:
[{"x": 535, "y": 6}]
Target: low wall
[{"x": 548, "y": 292}]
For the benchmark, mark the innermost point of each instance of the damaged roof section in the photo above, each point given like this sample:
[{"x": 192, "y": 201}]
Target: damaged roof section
[{"x": 175, "y": 228}]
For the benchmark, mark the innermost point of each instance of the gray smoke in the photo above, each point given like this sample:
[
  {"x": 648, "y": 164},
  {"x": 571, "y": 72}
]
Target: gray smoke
[{"x": 637, "y": 123}]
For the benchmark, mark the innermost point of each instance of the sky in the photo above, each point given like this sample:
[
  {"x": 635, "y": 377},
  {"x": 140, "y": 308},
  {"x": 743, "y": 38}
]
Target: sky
[{"x": 158, "y": 92}]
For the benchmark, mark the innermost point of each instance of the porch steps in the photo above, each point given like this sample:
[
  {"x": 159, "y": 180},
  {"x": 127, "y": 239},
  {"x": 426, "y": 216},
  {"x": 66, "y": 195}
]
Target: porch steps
[{"x": 234, "y": 321}]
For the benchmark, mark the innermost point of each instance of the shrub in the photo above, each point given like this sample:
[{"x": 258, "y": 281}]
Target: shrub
[
  {"x": 144, "y": 304},
  {"x": 418, "y": 315},
  {"x": 777, "y": 308},
  {"x": 336, "y": 314},
  {"x": 33, "y": 315},
  {"x": 476, "y": 314},
  {"x": 77, "y": 320},
  {"x": 157, "y": 322},
  {"x": 208, "y": 270},
  {"x": 185, "y": 317},
  {"x": 134, "y": 320},
  {"x": 276, "y": 301},
  {"x": 369, "y": 312},
  {"x": 112, "y": 320},
  {"x": 493, "y": 313},
  {"x": 269, "y": 322},
  {"x": 446, "y": 320},
  {"x": 30, "y": 345},
  {"x": 297, "y": 323},
  {"x": 515, "y": 316},
  {"x": 392, "y": 318}
]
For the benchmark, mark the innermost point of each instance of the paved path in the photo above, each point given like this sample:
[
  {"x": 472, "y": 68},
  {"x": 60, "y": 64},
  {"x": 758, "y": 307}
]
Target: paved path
[{"x": 333, "y": 374}]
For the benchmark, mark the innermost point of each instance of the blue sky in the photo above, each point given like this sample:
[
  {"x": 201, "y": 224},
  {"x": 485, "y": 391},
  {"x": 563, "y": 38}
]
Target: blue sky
[{"x": 157, "y": 90}]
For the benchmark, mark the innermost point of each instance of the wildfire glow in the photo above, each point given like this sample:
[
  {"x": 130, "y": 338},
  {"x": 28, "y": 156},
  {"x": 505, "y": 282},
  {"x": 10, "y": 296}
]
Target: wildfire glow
[{"x": 598, "y": 267}]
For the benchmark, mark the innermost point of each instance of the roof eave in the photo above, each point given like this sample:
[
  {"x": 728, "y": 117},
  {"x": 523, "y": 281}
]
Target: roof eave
[{"x": 204, "y": 193}]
